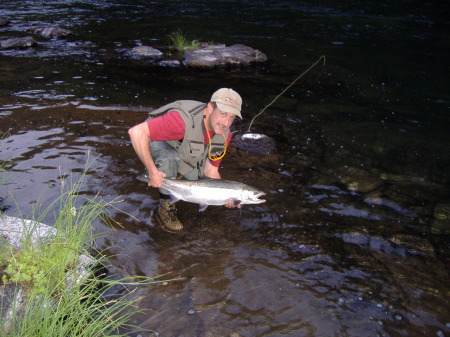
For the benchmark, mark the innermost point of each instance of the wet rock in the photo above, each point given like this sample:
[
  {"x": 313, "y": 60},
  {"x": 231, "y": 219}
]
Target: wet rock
[
  {"x": 4, "y": 22},
  {"x": 145, "y": 52},
  {"x": 213, "y": 56},
  {"x": 18, "y": 43},
  {"x": 50, "y": 31},
  {"x": 254, "y": 142},
  {"x": 441, "y": 221}
]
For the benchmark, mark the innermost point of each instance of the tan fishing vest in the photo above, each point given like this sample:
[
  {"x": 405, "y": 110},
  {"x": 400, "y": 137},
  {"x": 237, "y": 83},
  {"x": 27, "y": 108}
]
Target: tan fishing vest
[{"x": 191, "y": 148}]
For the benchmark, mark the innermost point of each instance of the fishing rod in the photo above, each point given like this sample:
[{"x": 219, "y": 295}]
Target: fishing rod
[{"x": 290, "y": 85}]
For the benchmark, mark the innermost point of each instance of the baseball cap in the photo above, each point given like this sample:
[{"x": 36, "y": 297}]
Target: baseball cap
[{"x": 228, "y": 100}]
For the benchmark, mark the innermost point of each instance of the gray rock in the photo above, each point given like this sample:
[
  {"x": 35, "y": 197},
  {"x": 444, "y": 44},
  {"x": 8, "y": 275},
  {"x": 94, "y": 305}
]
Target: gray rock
[
  {"x": 145, "y": 52},
  {"x": 50, "y": 31},
  {"x": 12, "y": 230},
  {"x": 18, "y": 43},
  {"x": 212, "y": 56}
]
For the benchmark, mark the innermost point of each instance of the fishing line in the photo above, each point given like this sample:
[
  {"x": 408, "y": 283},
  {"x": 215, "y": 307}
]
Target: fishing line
[{"x": 290, "y": 85}]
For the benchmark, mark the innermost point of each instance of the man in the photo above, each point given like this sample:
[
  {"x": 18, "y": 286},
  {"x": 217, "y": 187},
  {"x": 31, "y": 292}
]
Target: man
[{"x": 188, "y": 138}]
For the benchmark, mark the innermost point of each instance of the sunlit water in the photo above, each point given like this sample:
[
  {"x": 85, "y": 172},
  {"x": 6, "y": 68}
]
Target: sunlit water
[{"x": 353, "y": 239}]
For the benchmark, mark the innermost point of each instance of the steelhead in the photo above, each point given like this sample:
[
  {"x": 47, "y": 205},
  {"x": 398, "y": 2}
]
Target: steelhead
[{"x": 207, "y": 192}]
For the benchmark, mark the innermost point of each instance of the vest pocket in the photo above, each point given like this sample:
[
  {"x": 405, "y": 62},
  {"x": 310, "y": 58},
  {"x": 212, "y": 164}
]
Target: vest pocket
[{"x": 195, "y": 148}]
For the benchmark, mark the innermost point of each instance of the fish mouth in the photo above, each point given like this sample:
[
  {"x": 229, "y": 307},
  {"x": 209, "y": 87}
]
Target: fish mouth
[{"x": 256, "y": 199}]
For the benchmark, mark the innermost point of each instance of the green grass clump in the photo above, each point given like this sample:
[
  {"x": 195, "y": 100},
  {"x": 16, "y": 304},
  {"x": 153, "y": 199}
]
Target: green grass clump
[
  {"x": 47, "y": 304},
  {"x": 180, "y": 42}
]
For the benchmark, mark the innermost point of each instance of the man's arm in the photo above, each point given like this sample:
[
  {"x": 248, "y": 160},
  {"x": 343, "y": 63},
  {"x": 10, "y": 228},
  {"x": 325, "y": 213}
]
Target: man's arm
[{"x": 140, "y": 139}]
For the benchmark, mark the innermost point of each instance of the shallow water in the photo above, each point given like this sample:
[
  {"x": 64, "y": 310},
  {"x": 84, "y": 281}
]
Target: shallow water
[{"x": 353, "y": 239}]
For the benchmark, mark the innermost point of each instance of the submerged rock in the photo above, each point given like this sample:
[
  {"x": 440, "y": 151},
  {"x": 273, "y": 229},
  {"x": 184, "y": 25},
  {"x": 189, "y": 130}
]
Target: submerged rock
[
  {"x": 397, "y": 244},
  {"x": 169, "y": 63},
  {"x": 18, "y": 43},
  {"x": 356, "y": 238},
  {"x": 413, "y": 244},
  {"x": 212, "y": 56},
  {"x": 50, "y": 31}
]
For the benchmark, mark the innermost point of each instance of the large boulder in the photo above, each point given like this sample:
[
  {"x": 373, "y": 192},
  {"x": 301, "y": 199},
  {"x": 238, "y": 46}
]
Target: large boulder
[
  {"x": 222, "y": 56},
  {"x": 13, "y": 230},
  {"x": 13, "y": 296}
]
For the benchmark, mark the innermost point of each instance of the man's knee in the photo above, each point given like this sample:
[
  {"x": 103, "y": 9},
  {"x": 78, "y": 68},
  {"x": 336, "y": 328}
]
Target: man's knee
[{"x": 166, "y": 158}]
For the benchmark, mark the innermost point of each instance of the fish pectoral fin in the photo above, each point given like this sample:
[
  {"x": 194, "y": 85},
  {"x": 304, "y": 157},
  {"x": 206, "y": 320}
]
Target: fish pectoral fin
[
  {"x": 173, "y": 199},
  {"x": 202, "y": 207},
  {"x": 236, "y": 202}
]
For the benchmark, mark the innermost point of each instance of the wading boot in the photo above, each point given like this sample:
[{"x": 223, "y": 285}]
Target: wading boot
[{"x": 167, "y": 216}]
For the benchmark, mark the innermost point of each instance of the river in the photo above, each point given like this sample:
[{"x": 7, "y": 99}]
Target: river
[{"x": 354, "y": 238}]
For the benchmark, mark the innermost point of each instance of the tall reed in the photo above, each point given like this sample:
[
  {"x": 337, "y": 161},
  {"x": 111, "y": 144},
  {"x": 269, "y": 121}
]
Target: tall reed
[{"x": 46, "y": 302}]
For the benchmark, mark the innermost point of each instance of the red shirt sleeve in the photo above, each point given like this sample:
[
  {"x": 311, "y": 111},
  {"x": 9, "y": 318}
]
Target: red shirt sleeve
[
  {"x": 171, "y": 126},
  {"x": 167, "y": 127}
]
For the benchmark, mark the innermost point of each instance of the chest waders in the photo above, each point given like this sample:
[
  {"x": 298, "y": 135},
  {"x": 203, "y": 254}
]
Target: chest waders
[{"x": 191, "y": 149}]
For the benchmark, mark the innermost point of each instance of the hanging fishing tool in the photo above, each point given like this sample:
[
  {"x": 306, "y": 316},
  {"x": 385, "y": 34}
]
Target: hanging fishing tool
[{"x": 260, "y": 143}]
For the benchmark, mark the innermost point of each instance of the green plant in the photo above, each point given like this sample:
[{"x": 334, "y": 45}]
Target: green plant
[
  {"x": 180, "y": 42},
  {"x": 32, "y": 269}
]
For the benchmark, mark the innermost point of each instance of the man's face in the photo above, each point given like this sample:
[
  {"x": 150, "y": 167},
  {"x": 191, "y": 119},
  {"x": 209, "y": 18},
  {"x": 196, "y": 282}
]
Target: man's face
[{"x": 219, "y": 121}]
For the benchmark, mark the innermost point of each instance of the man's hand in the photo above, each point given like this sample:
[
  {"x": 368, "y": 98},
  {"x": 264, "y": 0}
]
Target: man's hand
[
  {"x": 155, "y": 179},
  {"x": 233, "y": 203}
]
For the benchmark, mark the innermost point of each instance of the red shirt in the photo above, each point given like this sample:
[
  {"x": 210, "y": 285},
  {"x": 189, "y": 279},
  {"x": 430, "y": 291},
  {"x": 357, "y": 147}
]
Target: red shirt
[{"x": 171, "y": 126}]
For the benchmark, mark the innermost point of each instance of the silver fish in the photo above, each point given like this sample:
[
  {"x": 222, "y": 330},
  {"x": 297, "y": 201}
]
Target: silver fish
[{"x": 207, "y": 192}]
